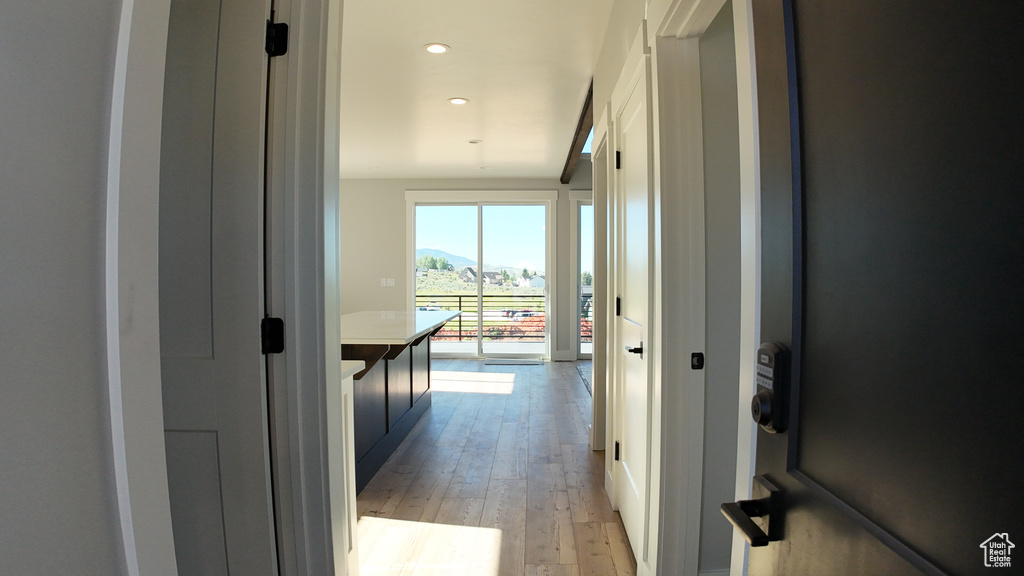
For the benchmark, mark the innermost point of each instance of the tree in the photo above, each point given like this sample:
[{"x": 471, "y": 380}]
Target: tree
[
  {"x": 427, "y": 262},
  {"x": 442, "y": 263},
  {"x": 587, "y": 279},
  {"x": 526, "y": 273}
]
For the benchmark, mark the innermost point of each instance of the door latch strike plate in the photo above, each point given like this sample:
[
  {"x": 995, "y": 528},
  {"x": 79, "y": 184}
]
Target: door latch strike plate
[{"x": 697, "y": 361}]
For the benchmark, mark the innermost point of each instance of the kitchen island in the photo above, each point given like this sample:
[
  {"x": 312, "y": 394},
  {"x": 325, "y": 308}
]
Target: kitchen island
[{"x": 392, "y": 391}]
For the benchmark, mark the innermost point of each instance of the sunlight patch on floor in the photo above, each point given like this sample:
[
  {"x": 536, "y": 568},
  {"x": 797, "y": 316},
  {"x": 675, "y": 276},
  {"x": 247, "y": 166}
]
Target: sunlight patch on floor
[
  {"x": 477, "y": 382},
  {"x": 400, "y": 547}
]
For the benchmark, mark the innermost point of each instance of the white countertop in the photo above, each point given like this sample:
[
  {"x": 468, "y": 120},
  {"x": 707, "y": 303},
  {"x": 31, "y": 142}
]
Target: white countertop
[
  {"x": 351, "y": 367},
  {"x": 391, "y": 327}
]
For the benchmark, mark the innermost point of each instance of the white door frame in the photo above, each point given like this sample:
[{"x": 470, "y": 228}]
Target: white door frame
[
  {"x": 678, "y": 124},
  {"x": 312, "y": 270},
  {"x": 750, "y": 267}
]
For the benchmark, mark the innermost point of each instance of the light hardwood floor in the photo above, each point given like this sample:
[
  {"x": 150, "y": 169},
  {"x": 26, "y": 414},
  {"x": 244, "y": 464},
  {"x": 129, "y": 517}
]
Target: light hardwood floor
[{"x": 495, "y": 484}]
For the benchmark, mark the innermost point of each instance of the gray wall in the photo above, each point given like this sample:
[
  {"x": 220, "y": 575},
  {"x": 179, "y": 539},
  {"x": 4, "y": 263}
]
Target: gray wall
[
  {"x": 722, "y": 268},
  {"x": 57, "y": 493},
  {"x": 374, "y": 239}
]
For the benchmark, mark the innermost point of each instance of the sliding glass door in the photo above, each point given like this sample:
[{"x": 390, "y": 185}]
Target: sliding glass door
[
  {"x": 513, "y": 285},
  {"x": 585, "y": 285},
  {"x": 488, "y": 261},
  {"x": 447, "y": 246}
]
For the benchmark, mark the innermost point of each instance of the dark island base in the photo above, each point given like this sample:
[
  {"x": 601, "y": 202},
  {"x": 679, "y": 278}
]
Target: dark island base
[
  {"x": 380, "y": 452},
  {"x": 389, "y": 398}
]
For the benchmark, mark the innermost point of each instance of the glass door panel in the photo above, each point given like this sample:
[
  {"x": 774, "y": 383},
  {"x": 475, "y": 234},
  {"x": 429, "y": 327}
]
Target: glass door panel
[
  {"x": 447, "y": 246},
  {"x": 585, "y": 290},
  {"x": 513, "y": 291}
]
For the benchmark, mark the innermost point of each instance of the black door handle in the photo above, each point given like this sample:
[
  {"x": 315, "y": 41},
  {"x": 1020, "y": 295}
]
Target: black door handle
[
  {"x": 741, "y": 514},
  {"x": 636, "y": 350}
]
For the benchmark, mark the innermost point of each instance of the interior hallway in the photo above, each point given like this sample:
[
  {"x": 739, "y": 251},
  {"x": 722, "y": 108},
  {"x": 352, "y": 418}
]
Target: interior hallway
[{"x": 496, "y": 479}]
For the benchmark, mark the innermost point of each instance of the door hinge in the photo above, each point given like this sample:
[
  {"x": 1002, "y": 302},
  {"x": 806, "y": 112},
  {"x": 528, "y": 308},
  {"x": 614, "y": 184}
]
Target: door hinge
[
  {"x": 272, "y": 335},
  {"x": 697, "y": 361},
  {"x": 618, "y": 306},
  {"x": 618, "y": 160},
  {"x": 616, "y": 450},
  {"x": 277, "y": 38}
]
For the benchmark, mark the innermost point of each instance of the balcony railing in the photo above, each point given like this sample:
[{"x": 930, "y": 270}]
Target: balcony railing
[{"x": 503, "y": 318}]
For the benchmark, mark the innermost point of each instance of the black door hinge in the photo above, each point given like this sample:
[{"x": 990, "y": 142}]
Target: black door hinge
[
  {"x": 618, "y": 306},
  {"x": 272, "y": 335},
  {"x": 277, "y": 38},
  {"x": 616, "y": 450},
  {"x": 618, "y": 160},
  {"x": 697, "y": 361}
]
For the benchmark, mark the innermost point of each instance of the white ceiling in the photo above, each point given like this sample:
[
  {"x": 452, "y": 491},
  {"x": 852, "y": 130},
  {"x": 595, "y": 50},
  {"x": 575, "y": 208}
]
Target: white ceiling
[{"x": 524, "y": 65}]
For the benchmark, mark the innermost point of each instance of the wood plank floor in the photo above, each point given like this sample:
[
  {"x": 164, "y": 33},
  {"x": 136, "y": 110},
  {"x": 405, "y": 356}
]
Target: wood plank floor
[{"x": 495, "y": 480}]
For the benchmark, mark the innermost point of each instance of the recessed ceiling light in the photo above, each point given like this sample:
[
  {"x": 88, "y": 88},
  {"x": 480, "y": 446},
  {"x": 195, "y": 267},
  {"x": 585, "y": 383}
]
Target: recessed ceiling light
[
  {"x": 459, "y": 101},
  {"x": 475, "y": 141},
  {"x": 437, "y": 48}
]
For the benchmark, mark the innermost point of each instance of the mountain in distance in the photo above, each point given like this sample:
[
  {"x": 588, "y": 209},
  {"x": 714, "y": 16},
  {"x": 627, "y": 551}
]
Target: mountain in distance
[
  {"x": 459, "y": 262},
  {"x": 456, "y": 261}
]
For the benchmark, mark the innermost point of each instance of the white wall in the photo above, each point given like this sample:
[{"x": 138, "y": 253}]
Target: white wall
[
  {"x": 374, "y": 241},
  {"x": 625, "y": 18},
  {"x": 57, "y": 497}
]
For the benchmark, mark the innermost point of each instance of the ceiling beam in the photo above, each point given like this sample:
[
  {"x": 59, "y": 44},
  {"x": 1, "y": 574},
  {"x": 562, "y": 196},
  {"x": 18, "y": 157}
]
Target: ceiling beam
[{"x": 583, "y": 128}]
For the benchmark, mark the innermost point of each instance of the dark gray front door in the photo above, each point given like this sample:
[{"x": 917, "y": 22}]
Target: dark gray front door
[{"x": 892, "y": 166}]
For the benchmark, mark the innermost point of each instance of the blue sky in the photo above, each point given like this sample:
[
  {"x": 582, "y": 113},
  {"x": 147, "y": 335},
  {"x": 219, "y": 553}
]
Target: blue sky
[{"x": 513, "y": 235}]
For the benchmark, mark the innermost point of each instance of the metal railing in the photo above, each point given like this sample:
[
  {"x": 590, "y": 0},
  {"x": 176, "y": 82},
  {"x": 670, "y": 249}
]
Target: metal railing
[
  {"x": 503, "y": 317},
  {"x": 506, "y": 317},
  {"x": 586, "y": 319}
]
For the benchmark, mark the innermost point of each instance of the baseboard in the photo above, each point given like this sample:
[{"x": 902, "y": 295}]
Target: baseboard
[{"x": 609, "y": 487}]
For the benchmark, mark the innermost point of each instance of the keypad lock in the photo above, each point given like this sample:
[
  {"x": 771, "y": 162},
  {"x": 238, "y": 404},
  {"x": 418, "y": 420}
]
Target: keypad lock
[{"x": 768, "y": 407}]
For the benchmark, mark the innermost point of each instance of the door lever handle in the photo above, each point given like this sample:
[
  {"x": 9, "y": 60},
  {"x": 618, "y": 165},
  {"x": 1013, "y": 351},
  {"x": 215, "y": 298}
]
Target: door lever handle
[
  {"x": 741, "y": 514},
  {"x": 636, "y": 350}
]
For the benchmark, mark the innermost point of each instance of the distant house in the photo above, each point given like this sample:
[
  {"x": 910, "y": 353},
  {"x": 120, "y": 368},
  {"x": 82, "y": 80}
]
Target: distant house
[
  {"x": 523, "y": 282},
  {"x": 468, "y": 274},
  {"x": 537, "y": 281}
]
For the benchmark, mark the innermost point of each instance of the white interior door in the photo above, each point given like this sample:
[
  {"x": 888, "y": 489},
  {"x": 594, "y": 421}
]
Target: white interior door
[
  {"x": 633, "y": 395},
  {"x": 211, "y": 284}
]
